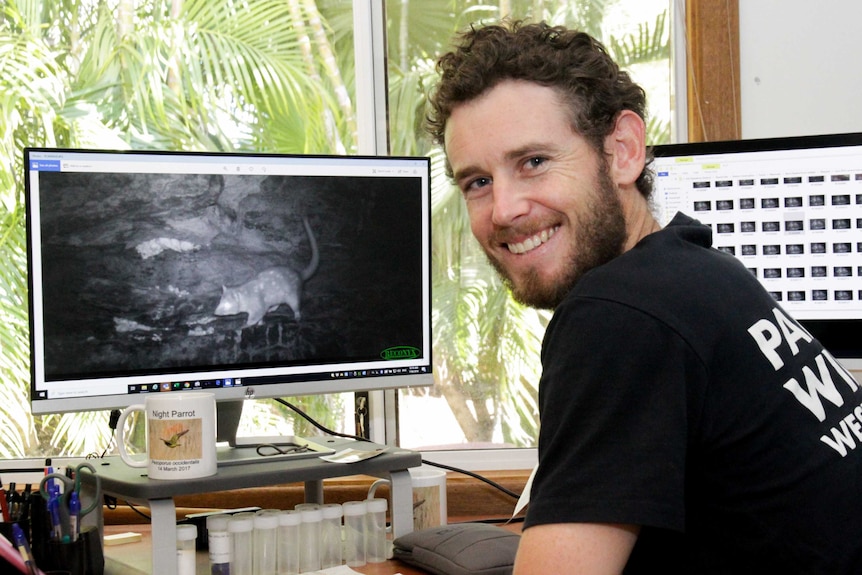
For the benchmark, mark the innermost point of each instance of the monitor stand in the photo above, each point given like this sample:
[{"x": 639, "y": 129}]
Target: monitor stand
[{"x": 242, "y": 450}]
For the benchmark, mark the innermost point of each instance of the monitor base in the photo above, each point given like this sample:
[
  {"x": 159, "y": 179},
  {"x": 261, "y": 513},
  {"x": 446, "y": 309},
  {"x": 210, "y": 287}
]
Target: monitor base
[
  {"x": 263, "y": 449},
  {"x": 257, "y": 449}
]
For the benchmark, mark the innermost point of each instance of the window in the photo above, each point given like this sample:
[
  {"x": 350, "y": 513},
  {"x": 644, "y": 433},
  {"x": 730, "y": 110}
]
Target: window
[
  {"x": 205, "y": 75},
  {"x": 486, "y": 345},
  {"x": 146, "y": 74}
]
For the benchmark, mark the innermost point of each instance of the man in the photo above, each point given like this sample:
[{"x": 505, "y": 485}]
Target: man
[{"x": 685, "y": 417}]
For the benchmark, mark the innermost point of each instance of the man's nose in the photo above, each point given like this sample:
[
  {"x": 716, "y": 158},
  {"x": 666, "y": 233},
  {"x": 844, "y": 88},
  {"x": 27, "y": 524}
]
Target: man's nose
[{"x": 510, "y": 202}]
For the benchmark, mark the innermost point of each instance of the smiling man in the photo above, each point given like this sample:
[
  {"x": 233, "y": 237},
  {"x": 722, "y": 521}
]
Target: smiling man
[
  {"x": 682, "y": 411},
  {"x": 532, "y": 164}
]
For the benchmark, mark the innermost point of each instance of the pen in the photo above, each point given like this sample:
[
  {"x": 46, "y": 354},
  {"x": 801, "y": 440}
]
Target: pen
[
  {"x": 13, "y": 498},
  {"x": 15, "y": 501},
  {"x": 74, "y": 515},
  {"x": 20, "y": 542},
  {"x": 4, "y": 506},
  {"x": 48, "y": 471},
  {"x": 54, "y": 513},
  {"x": 25, "y": 502}
]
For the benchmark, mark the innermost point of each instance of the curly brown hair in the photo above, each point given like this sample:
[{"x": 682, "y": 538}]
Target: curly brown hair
[{"x": 572, "y": 62}]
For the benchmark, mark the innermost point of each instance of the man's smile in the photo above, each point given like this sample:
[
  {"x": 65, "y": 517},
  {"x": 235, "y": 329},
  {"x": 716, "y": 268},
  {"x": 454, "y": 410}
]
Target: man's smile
[{"x": 533, "y": 241}]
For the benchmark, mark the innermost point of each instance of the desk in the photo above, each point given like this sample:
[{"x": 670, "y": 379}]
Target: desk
[
  {"x": 134, "y": 558},
  {"x": 131, "y": 484}
]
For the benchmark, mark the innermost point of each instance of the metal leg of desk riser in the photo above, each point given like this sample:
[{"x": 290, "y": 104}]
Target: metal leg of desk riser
[
  {"x": 402, "y": 502},
  {"x": 164, "y": 527}
]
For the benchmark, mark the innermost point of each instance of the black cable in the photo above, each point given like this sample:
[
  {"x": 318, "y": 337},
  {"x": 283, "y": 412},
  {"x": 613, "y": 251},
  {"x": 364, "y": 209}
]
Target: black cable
[
  {"x": 270, "y": 449},
  {"x": 112, "y": 424},
  {"x": 490, "y": 482},
  {"x": 315, "y": 423},
  {"x": 109, "y": 501},
  {"x": 114, "y": 419},
  {"x": 139, "y": 512},
  {"x": 425, "y": 461}
]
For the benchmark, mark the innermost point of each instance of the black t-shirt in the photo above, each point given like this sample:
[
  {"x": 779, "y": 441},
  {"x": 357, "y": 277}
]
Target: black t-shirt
[{"x": 677, "y": 395}]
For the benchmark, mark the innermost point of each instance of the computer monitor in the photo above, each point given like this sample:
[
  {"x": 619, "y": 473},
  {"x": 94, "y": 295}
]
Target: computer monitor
[
  {"x": 245, "y": 275},
  {"x": 791, "y": 210}
]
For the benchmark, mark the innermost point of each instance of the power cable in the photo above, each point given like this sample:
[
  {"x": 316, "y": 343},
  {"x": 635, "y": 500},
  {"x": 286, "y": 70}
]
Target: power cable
[{"x": 322, "y": 428}]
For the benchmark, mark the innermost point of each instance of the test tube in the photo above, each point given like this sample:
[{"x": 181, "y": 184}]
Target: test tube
[
  {"x": 186, "y": 535},
  {"x": 241, "y": 529},
  {"x": 265, "y": 558},
  {"x": 219, "y": 544},
  {"x": 330, "y": 535},
  {"x": 354, "y": 533},
  {"x": 288, "y": 542},
  {"x": 375, "y": 531},
  {"x": 309, "y": 539}
]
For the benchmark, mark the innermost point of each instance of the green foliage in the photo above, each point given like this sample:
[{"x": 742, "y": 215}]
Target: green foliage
[
  {"x": 486, "y": 345},
  {"x": 192, "y": 75},
  {"x": 647, "y": 44},
  {"x": 17, "y": 434},
  {"x": 271, "y": 76}
]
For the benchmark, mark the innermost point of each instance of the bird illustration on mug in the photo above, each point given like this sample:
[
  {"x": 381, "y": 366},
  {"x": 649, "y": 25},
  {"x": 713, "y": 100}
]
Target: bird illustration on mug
[{"x": 174, "y": 441}]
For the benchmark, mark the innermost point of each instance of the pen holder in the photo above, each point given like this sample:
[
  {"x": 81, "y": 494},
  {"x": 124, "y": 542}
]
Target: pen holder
[
  {"x": 81, "y": 557},
  {"x": 40, "y": 531}
]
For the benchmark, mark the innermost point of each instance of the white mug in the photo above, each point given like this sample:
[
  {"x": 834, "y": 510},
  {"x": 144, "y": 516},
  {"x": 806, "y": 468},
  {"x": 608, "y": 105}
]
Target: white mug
[
  {"x": 429, "y": 496},
  {"x": 181, "y": 435}
]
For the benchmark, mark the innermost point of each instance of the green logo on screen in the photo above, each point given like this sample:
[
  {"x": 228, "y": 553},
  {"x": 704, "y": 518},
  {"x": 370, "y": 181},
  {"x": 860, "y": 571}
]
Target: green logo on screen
[{"x": 400, "y": 352}]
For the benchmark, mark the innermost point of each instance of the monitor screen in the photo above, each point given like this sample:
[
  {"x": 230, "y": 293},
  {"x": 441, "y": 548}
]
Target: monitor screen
[
  {"x": 247, "y": 275},
  {"x": 791, "y": 210}
]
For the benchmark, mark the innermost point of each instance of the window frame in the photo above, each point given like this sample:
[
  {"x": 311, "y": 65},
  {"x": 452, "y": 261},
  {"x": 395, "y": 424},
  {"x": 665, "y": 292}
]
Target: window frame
[{"x": 713, "y": 90}]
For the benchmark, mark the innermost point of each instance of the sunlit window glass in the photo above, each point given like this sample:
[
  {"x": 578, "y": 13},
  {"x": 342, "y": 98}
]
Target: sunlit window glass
[{"x": 486, "y": 346}]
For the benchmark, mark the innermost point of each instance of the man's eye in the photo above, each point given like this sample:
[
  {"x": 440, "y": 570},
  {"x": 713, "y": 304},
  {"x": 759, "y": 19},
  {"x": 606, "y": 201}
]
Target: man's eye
[
  {"x": 533, "y": 163},
  {"x": 477, "y": 184}
]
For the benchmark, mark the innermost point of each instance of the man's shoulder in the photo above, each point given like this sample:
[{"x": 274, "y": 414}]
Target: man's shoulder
[
  {"x": 677, "y": 259},
  {"x": 676, "y": 278}
]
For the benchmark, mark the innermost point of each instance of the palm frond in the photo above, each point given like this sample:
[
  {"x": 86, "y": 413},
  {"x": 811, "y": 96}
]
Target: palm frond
[{"x": 647, "y": 44}]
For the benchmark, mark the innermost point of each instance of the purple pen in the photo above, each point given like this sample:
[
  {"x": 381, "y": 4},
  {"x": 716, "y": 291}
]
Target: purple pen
[
  {"x": 54, "y": 513},
  {"x": 74, "y": 515},
  {"x": 20, "y": 542}
]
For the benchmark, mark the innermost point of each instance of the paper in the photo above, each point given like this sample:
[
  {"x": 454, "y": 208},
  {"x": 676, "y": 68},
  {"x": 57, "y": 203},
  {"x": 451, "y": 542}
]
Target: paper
[
  {"x": 339, "y": 570},
  {"x": 121, "y": 538},
  {"x": 524, "y": 500},
  {"x": 351, "y": 455}
]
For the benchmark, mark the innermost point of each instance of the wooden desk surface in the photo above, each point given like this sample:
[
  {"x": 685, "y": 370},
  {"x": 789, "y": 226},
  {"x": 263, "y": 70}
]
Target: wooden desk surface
[{"x": 135, "y": 558}]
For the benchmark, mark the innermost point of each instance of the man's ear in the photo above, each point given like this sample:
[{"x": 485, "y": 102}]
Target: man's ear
[{"x": 626, "y": 148}]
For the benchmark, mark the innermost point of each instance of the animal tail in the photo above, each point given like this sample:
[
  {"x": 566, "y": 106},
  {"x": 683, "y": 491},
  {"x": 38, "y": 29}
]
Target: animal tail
[{"x": 315, "y": 256}]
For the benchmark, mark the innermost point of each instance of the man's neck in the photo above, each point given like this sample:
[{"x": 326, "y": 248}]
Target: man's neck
[{"x": 639, "y": 221}]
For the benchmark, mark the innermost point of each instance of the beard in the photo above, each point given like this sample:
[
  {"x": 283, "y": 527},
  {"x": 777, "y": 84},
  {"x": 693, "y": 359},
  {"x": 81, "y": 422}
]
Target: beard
[{"x": 599, "y": 237}]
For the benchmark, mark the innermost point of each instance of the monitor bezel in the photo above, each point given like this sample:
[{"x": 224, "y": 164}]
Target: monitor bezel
[
  {"x": 834, "y": 334},
  {"x": 418, "y": 375}
]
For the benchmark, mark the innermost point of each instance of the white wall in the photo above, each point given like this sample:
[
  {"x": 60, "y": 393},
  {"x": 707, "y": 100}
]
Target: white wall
[{"x": 800, "y": 67}]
